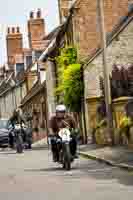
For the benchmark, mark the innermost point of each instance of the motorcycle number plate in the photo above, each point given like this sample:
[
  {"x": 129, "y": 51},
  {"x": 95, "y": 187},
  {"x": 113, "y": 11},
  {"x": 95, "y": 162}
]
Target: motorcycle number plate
[
  {"x": 65, "y": 134},
  {"x": 66, "y": 142},
  {"x": 65, "y": 138}
]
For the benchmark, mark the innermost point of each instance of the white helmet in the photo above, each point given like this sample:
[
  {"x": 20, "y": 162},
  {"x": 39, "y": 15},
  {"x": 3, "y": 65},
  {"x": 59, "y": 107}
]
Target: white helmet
[{"x": 61, "y": 108}]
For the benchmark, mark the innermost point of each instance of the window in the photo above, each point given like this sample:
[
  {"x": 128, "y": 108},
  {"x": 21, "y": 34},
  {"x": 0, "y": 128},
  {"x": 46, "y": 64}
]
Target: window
[
  {"x": 19, "y": 67},
  {"x": 130, "y": 5},
  {"x": 28, "y": 60},
  {"x": 38, "y": 54}
]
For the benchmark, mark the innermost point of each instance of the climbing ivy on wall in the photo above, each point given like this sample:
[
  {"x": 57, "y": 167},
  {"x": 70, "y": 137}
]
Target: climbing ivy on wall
[{"x": 70, "y": 84}]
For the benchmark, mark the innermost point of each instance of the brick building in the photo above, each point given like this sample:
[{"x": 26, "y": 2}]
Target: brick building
[
  {"x": 79, "y": 27},
  {"x": 83, "y": 30},
  {"x": 21, "y": 60},
  {"x": 85, "y": 21}
]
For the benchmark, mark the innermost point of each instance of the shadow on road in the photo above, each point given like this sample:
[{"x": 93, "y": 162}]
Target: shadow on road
[
  {"x": 104, "y": 172},
  {"x": 93, "y": 170},
  {"x": 7, "y": 153},
  {"x": 50, "y": 169},
  {"x": 45, "y": 169}
]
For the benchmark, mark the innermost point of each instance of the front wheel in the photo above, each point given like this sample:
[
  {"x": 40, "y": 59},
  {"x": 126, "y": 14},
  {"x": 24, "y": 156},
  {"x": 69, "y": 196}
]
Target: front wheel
[
  {"x": 67, "y": 166},
  {"x": 19, "y": 144},
  {"x": 19, "y": 149},
  {"x": 67, "y": 157}
]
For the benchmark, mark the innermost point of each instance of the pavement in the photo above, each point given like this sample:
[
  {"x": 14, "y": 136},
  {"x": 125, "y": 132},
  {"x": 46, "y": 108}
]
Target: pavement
[
  {"x": 115, "y": 156},
  {"x": 33, "y": 176}
]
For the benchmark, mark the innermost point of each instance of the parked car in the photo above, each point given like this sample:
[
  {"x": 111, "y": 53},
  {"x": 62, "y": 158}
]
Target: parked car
[{"x": 4, "y": 133}]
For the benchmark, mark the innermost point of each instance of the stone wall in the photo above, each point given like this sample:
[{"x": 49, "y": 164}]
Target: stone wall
[{"x": 120, "y": 52}]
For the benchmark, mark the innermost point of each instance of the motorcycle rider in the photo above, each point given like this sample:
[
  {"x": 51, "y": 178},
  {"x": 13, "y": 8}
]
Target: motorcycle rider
[
  {"x": 61, "y": 120},
  {"x": 14, "y": 119},
  {"x": 29, "y": 119}
]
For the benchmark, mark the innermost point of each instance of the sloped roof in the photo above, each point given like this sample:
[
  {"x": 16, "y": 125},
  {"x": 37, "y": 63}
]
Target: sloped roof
[
  {"x": 52, "y": 34},
  {"x": 54, "y": 39},
  {"x": 11, "y": 82},
  {"x": 37, "y": 87},
  {"x": 5, "y": 85},
  {"x": 74, "y": 4}
]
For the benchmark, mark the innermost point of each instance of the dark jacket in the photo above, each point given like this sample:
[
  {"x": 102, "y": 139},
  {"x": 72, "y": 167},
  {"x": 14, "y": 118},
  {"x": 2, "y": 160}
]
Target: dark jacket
[
  {"x": 16, "y": 119},
  {"x": 56, "y": 123}
]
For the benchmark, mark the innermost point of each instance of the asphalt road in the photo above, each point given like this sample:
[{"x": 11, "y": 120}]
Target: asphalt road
[{"x": 33, "y": 176}]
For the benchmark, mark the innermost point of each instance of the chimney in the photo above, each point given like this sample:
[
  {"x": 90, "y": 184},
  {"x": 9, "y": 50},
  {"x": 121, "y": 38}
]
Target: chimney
[
  {"x": 36, "y": 29},
  {"x": 14, "y": 41}
]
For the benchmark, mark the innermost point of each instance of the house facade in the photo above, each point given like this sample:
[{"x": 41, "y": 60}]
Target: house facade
[
  {"x": 11, "y": 96},
  {"x": 21, "y": 72},
  {"x": 119, "y": 52}
]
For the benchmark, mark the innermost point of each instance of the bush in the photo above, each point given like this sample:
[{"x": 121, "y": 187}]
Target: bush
[{"x": 124, "y": 130}]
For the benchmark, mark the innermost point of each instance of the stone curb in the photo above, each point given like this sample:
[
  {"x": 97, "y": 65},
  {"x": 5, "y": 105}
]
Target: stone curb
[{"x": 108, "y": 162}]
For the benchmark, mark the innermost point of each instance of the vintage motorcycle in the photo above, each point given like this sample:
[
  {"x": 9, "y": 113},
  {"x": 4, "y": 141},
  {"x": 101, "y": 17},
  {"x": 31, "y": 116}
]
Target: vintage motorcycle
[
  {"x": 21, "y": 136},
  {"x": 63, "y": 145},
  {"x": 17, "y": 133}
]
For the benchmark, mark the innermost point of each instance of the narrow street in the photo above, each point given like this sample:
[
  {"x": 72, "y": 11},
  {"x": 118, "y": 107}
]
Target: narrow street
[{"x": 34, "y": 176}]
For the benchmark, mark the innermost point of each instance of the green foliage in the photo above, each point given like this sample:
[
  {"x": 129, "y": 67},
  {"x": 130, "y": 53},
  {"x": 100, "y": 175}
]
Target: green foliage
[
  {"x": 67, "y": 56},
  {"x": 69, "y": 79},
  {"x": 126, "y": 121},
  {"x": 102, "y": 123},
  {"x": 125, "y": 124}
]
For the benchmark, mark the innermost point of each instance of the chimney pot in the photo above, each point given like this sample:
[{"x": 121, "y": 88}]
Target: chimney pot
[
  {"x": 18, "y": 29},
  {"x": 31, "y": 15},
  {"x": 8, "y": 30},
  {"x": 13, "y": 30},
  {"x": 39, "y": 13}
]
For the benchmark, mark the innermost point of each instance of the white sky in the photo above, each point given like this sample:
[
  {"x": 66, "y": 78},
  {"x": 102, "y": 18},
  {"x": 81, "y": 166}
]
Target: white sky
[{"x": 16, "y": 12}]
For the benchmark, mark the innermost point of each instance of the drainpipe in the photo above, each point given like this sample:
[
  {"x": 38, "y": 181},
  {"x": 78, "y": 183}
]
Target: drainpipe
[
  {"x": 0, "y": 111},
  {"x": 83, "y": 107},
  {"x": 46, "y": 114}
]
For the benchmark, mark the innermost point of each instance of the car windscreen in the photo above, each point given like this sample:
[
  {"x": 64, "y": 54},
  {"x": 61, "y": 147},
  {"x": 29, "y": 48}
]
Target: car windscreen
[{"x": 3, "y": 124}]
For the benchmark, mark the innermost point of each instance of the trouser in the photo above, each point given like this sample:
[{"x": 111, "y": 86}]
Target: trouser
[
  {"x": 11, "y": 140},
  {"x": 55, "y": 148},
  {"x": 73, "y": 145}
]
